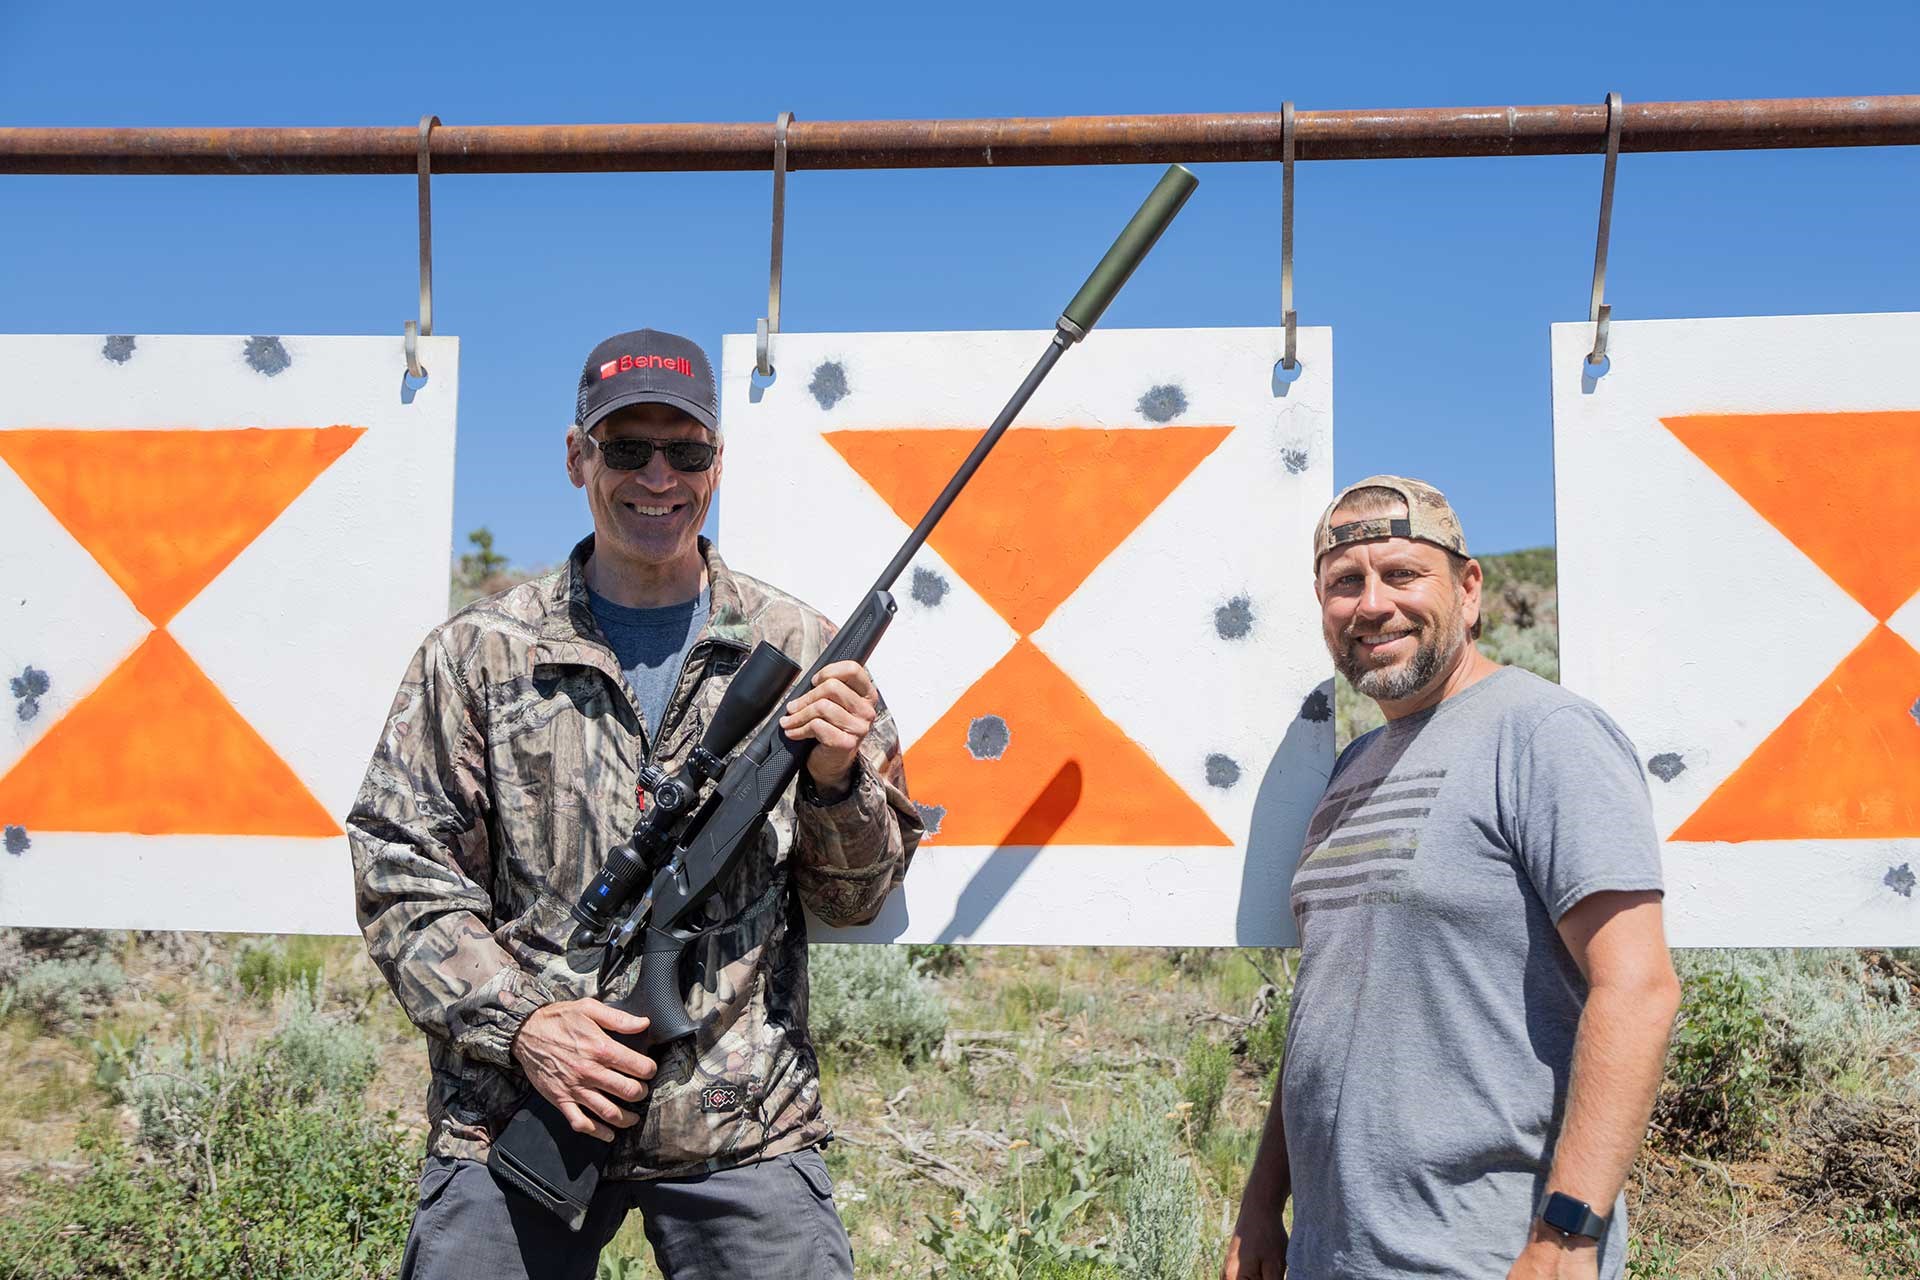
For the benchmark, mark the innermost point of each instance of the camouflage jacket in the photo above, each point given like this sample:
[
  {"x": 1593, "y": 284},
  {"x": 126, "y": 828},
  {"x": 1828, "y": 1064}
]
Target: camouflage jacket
[{"x": 507, "y": 768}]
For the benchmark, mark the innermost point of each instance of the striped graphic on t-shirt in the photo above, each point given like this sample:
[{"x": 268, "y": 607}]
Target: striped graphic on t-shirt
[{"x": 1362, "y": 841}]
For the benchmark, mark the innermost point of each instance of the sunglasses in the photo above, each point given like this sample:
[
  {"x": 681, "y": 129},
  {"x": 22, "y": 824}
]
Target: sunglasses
[{"x": 634, "y": 453}]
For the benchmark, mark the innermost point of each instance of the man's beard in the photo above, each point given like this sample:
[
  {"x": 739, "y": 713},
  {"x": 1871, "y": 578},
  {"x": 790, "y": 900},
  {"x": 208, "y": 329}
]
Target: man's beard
[{"x": 1396, "y": 684}]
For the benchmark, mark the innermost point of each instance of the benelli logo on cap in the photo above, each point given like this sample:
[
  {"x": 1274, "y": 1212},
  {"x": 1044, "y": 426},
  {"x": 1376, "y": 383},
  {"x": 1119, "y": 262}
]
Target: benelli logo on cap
[{"x": 680, "y": 365}]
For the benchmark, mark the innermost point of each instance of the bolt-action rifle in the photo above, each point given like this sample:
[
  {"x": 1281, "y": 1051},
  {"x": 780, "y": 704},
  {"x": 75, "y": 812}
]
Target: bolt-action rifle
[{"x": 699, "y": 821}]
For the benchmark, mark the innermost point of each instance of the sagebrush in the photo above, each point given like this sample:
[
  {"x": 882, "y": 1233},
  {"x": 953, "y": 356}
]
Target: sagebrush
[{"x": 873, "y": 999}]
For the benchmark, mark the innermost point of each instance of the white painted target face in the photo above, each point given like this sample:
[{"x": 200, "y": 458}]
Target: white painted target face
[
  {"x": 1738, "y": 503},
  {"x": 1107, "y": 666},
  {"x": 216, "y": 556}
]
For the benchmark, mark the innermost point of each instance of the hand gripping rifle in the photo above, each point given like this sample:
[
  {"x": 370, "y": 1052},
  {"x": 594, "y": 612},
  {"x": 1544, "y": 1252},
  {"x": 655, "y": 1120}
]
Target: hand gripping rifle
[{"x": 686, "y": 844}]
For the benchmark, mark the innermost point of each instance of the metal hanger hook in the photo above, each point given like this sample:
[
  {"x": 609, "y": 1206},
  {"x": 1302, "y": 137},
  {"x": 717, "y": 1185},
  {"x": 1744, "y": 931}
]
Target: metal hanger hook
[
  {"x": 1598, "y": 312},
  {"x": 1287, "y": 317},
  {"x": 764, "y": 331},
  {"x": 425, "y": 325}
]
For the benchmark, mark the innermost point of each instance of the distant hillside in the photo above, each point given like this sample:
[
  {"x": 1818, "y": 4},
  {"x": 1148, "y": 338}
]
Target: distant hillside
[
  {"x": 1520, "y": 609},
  {"x": 1535, "y": 565}
]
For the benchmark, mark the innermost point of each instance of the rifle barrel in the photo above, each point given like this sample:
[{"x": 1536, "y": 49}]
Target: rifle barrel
[{"x": 917, "y": 539}]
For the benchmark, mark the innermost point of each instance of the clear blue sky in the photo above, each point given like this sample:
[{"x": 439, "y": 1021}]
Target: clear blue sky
[{"x": 1439, "y": 276}]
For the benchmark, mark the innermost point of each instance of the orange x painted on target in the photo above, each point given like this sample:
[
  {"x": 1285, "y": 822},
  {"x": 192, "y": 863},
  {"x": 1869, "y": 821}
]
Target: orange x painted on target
[
  {"x": 1845, "y": 489},
  {"x": 156, "y": 748},
  {"x": 1044, "y": 510}
]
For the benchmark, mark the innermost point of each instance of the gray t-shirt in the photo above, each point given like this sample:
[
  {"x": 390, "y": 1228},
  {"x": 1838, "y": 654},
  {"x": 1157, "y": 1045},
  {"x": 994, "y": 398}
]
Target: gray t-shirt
[
  {"x": 1434, "y": 1014},
  {"x": 651, "y": 646}
]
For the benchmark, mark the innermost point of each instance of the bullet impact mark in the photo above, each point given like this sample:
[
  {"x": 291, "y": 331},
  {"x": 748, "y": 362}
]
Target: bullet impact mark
[
  {"x": 1163, "y": 403},
  {"x": 1667, "y": 766},
  {"x": 1234, "y": 619},
  {"x": 28, "y": 687},
  {"x": 987, "y": 737},
  {"x": 932, "y": 815},
  {"x": 267, "y": 355},
  {"x": 1901, "y": 879},
  {"x": 1222, "y": 771},
  {"x": 1318, "y": 707},
  {"x": 17, "y": 842},
  {"x": 929, "y": 588},
  {"x": 829, "y": 385},
  {"x": 118, "y": 347}
]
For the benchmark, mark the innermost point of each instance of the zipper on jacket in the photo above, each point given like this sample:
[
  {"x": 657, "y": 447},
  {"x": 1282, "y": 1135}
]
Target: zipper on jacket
[
  {"x": 675, "y": 713},
  {"x": 667, "y": 717}
]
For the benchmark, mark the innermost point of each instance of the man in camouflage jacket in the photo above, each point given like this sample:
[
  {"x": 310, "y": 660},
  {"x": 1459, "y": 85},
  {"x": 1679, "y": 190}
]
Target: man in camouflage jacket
[{"x": 506, "y": 771}]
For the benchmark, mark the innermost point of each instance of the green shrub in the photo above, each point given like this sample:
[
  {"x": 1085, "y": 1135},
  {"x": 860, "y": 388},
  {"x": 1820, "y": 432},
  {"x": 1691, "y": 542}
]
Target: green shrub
[
  {"x": 1267, "y": 1039},
  {"x": 115, "y": 1051},
  {"x": 1059, "y": 1269},
  {"x": 1148, "y": 1121},
  {"x": 268, "y": 965},
  {"x": 180, "y": 1091},
  {"x": 1719, "y": 1067},
  {"x": 616, "y": 1264},
  {"x": 937, "y": 959},
  {"x": 175, "y": 1091},
  {"x": 1139, "y": 1151},
  {"x": 1022, "y": 1230},
  {"x": 1534, "y": 566},
  {"x": 1203, "y": 1083},
  {"x": 870, "y": 998},
  {"x": 318, "y": 1054},
  {"x": 1161, "y": 1238},
  {"x": 1534, "y": 648},
  {"x": 63, "y": 991},
  {"x": 1193, "y": 963},
  {"x": 1354, "y": 713},
  {"x": 1838, "y": 1024},
  {"x": 1651, "y": 1256},
  {"x": 261, "y": 1165},
  {"x": 1021, "y": 1002},
  {"x": 1889, "y": 1246},
  {"x": 297, "y": 1191}
]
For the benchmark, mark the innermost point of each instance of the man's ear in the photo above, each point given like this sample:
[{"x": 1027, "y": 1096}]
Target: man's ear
[
  {"x": 1472, "y": 579},
  {"x": 576, "y": 458}
]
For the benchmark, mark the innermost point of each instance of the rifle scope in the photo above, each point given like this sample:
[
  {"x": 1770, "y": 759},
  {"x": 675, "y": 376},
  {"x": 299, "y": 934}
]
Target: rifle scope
[{"x": 754, "y": 692}]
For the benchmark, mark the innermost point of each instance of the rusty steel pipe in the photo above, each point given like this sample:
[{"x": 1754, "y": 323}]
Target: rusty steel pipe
[{"x": 954, "y": 144}]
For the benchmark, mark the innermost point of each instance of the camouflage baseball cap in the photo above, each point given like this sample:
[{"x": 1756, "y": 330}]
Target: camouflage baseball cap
[{"x": 1429, "y": 518}]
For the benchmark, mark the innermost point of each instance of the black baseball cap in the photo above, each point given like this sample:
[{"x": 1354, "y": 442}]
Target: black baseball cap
[{"x": 647, "y": 367}]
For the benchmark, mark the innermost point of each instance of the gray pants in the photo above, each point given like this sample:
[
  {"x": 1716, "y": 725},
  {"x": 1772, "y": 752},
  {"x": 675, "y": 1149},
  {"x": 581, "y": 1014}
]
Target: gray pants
[{"x": 773, "y": 1218}]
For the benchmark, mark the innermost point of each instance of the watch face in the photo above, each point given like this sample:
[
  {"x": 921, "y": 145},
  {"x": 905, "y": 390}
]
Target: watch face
[{"x": 1574, "y": 1217}]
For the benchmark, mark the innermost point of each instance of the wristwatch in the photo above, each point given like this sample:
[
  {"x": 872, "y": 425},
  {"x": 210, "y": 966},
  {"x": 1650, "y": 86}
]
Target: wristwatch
[{"x": 1571, "y": 1217}]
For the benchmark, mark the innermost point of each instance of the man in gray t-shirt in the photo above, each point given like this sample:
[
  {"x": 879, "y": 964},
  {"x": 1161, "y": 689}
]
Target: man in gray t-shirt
[{"x": 1481, "y": 1014}]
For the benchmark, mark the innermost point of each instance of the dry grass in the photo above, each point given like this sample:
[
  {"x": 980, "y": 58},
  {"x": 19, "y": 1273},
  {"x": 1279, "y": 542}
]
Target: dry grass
[{"x": 1043, "y": 1041}]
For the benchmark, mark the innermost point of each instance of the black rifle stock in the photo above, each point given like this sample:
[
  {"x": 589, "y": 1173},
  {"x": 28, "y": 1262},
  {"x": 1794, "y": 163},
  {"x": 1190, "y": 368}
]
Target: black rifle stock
[{"x": 538, "y": 1152}]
